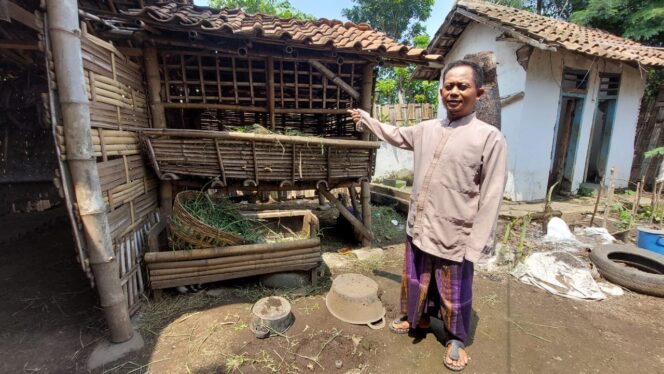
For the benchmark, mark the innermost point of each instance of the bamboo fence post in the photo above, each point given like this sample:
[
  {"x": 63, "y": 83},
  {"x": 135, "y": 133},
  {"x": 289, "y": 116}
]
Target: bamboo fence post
[
  {"x": 599, "y": 194},
  {"x": 158, "y": 119},
  {"x": 270, "y": 91},
  {"x": 639, "y": 193},
  {"x": 635, "y": 206},
  {"x": 609, "y": 197},
  {"x": 68, "y": 61}
]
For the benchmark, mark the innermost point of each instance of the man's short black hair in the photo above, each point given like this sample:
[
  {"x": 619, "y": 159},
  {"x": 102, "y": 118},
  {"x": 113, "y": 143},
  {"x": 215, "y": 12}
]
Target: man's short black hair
[{"x": 478, "y": 73}]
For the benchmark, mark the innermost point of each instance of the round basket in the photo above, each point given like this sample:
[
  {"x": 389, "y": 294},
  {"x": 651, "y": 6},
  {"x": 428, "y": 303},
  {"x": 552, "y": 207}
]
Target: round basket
[{"x": 192, "y": 231}]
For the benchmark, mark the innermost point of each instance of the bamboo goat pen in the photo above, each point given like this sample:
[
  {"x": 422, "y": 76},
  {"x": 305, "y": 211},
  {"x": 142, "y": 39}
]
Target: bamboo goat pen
[{"x": 196, "y": 266}]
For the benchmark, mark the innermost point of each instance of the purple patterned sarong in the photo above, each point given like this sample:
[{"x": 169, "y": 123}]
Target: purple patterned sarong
[{"x": 454, "y": 286}]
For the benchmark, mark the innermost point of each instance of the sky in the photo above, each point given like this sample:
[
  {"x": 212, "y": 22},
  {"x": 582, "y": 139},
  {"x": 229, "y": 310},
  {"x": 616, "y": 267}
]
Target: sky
[{"x": 332, "y": 10}]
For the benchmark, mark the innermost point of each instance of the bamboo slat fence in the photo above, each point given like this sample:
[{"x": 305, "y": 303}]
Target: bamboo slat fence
[
  {"x": 118, "y": 109},
  {"x": 403, "y": 114}
]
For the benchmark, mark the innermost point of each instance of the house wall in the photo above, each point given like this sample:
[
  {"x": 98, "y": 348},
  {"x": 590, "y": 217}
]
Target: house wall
[
  {"x": 530, "y": 124},
  {"x": 632, "y": 86}
]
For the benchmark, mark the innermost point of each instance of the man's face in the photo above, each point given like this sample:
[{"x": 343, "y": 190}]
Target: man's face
[{"x": 459, "y": 92}]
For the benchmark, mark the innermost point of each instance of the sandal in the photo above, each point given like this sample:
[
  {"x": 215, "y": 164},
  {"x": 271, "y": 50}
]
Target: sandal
[
  {"x": 454, "y": 354},
  {"x": 406, "y": 330}
]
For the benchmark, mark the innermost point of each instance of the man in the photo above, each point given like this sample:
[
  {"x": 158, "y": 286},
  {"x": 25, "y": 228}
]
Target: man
[{"x": 460, "y": 166}]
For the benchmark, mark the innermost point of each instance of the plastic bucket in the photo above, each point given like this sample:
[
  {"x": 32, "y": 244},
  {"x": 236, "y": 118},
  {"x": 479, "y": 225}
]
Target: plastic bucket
[{"x": 649, "y": 239}]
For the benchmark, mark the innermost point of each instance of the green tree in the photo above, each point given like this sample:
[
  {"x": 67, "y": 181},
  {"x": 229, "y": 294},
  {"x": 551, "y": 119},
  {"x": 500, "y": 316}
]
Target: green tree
[
  {"x": 641, "y": 20},
  {"x": 279, "y": 8},
  {"x": 395, "y": 86},
  {"x": 399, "y": 19}
]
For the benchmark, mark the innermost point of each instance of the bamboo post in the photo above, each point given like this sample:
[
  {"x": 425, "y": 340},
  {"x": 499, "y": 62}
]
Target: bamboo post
[
  {"x": 599, "y": 194},
  {"x": 357, "y": 224},
  {"x": 637, "y": 195},
  {"x": 158, "y": 120},
  {"x": 366, "y": 211},
  {"x": 329, "y": 74},
  {"x": 66, "y": 48},
  {"x": 367, "y": 91},
  {"x": 609, "y": 196},
  {"x": 353, "y": 198},
  {"x": 270, "y": 91}
]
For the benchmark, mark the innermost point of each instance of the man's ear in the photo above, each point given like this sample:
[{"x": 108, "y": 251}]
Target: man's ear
[{"x": 480, "y": 91}]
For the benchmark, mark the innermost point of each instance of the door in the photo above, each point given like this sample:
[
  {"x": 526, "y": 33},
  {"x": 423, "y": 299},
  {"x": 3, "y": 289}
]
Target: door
[
  {"x": 600, "y": 137},
  {"x": 573, "y": 93}
]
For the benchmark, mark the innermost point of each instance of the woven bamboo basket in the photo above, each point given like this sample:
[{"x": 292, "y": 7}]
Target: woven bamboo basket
[{"x": 192, "y": 231}]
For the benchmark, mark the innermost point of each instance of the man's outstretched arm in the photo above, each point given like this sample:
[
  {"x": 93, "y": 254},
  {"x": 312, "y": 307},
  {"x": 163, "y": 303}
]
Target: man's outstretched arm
[{"x": 401, "y": 137}]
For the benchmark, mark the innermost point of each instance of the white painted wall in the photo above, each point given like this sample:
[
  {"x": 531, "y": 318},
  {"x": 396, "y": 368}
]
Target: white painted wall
[
  {"x": 389, "y": 159},
  {"x": 621, "y": 151}
]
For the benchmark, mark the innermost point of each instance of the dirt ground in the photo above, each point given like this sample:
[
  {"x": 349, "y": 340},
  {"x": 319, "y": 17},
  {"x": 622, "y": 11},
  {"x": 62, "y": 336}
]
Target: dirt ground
[{"x": 49, "y": 322}]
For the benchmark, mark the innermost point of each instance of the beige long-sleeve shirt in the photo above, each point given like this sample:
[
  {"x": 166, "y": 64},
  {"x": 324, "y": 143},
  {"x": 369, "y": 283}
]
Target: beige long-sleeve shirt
[{"x": 460, "y": 172}]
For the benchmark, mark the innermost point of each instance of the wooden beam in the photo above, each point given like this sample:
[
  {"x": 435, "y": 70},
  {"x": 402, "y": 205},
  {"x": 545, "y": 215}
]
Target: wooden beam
[
  {"x": 29, "y": 45},
  {"x": 357, "y": 224},
  {"x": 22, "y": 16},
  {"x": 270, "y": 91},
  {"x": 513, "y": 33},
  {"x": 158, "y": 115},
  {"x": 335, "y": 78}
]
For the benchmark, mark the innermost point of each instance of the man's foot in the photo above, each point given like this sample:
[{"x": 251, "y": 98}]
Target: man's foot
[
  {"x": 456, "y": 358},
  {"x": 402, "y": 326}
]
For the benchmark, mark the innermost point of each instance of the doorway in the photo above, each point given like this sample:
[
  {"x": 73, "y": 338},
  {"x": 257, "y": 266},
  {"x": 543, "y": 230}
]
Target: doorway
[
  {"x": 602, "y": 130},
  {"x": 574, "y": 89}
]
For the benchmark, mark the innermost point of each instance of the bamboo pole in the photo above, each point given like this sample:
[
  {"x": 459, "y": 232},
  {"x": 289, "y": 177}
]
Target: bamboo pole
[
  {"x": 266, "y": 266},
  {"x": 158, "y": 121},
  {"x": 335, "y": 78},
  {"x": 366, "y": 211},
  {"x": 270, "y": 91},
  {"x": 68, "y": 61},
  {"x": 259, "y": 262},
  {"x": 229, "y": 275},
  {"x": 367, "y": 91},
  {"x": 357, "y": 224},
  {"x": 208, "y": 253},
  {"x": 609, "y": 196},
  {"x": 599, "y": 194},
  {"x": 303, "y": 140},
  {"x": 213, "y": 262},
  {"x": 637, "y": 196}
]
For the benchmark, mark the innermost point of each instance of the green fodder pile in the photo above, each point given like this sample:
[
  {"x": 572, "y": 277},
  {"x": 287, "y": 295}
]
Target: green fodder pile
[
  {"x": 221, "y": 214},
  {"x": 388, "y": 226}
]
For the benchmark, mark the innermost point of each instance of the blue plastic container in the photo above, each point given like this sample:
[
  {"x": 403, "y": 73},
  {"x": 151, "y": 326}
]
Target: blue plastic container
[{"x": 651, "y": 240}]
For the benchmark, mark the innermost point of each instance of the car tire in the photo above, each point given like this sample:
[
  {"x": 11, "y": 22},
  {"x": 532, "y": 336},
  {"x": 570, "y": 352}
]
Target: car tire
[{"x": 631, "y": 267}]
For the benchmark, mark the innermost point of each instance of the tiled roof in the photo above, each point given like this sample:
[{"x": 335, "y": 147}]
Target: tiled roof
[
  {"x": 542, "y": 32},
  {"x": 320, "y": 33}
]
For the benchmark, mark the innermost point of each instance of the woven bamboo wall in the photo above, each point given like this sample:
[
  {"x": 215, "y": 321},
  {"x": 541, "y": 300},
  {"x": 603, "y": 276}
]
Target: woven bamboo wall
[{"x": 117, "y": 110}]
